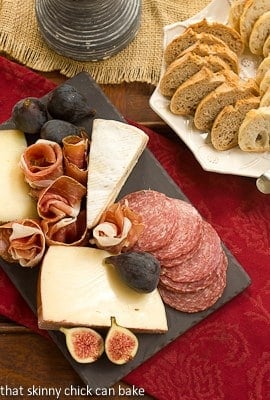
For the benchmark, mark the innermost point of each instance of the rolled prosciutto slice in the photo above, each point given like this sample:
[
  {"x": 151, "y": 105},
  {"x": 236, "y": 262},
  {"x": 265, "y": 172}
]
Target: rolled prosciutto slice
[
  {"x": 42, "y": 163},
  {"x": 22, "y": 241},
  {"x": 69, "y": 231},
  {"x": 61, "y": 199},
  {"x": 118, "y": 230},
  {"x": 75, "y": 154}
]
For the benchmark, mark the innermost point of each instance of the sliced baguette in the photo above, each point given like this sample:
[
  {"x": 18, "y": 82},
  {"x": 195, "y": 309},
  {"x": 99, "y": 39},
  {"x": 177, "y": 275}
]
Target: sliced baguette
[
  {"x": 235, "y": 13},
  {"x": 265, "y": 99},
  {"x": 254, "y": 132},
  {"x": 259, "y": 34},
  {"x": 224, "y": 32},
  {"x": 253, "y": 9},
  {"x": 184, "y": 67},
  {"x": 265, "y": 83},
  {"x": 224, "y": 132},
  {"x": 185, "y": 40},
  {"x": 220, "y": 50},
  {"x": 266, "y": 47},
  {"x": 188, "y": 95},
  {"x": 114, "y": 151},
  {"x": 262, "y": 69},
  {"x": 226, "y": 94}
]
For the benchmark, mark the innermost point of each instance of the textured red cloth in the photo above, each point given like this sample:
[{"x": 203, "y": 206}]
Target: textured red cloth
[{"x": 227, "y": 356}]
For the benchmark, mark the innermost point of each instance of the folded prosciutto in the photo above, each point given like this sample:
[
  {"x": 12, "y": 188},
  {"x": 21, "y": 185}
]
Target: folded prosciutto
[
  {"x": 42, "y": 163},
  {"x": 75, "y": 154},
  {"x": 22, "y": 241},
  {"x": 118, "y": 230},
  {"x": 61, "y": 199},
  {"x": 69, "y": 231}
]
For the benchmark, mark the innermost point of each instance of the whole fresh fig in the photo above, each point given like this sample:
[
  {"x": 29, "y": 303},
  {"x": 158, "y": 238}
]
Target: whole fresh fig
[
  {"x": 29, "y": 115},
  {"x": 56, "y": 130},
  {"x": 121, "y": 345},
  {"x": 139, "y": 270},
  {"x": 84, "y": 344},
  {"x": 67, "y": 104}
]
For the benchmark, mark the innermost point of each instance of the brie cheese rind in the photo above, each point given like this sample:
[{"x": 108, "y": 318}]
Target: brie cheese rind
[
  {"x": 114, "y": 151},
  {"x": 76, "y": 288},
  {"x": 15, "y": 201}
]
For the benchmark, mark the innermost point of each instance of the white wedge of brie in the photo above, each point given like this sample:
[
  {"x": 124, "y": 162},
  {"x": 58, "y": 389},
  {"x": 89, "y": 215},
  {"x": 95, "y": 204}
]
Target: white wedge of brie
[
  {"x": 76, "y": 288},
  {"x": 114, "y": 151}
]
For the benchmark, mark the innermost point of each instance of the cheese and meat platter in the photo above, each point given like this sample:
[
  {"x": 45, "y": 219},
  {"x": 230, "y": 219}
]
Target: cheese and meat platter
[{"x": 71, "y": 287}]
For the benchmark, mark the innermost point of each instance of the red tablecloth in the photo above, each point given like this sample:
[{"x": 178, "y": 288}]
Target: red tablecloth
[{"x": 227, "y": 356}]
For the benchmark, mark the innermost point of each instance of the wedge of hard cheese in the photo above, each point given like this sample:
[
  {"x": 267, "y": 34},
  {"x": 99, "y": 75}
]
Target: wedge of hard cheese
[
  {"x": 114, "y": 151},
  {"x": 15, "y": 202},
  {"x": 76, "y": 288}
]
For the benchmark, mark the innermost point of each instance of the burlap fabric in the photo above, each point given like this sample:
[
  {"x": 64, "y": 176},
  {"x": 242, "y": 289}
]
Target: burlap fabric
[{"x": 140, "y": 61}]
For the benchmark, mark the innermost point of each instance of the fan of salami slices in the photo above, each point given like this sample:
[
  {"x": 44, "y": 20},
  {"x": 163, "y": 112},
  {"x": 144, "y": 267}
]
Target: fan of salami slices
[{"x": 193, "y": 262}]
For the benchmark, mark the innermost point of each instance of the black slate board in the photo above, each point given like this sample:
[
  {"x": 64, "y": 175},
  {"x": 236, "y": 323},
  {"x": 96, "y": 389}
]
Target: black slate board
[{"x": 148, "y": 174}]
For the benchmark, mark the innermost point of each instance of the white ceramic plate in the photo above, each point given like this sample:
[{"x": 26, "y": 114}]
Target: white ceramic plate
[{"x": 233, "y": 161}]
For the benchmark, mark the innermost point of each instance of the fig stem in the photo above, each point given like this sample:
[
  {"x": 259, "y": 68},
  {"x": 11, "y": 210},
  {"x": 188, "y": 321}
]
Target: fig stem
[{"x": 27, "y": 102}]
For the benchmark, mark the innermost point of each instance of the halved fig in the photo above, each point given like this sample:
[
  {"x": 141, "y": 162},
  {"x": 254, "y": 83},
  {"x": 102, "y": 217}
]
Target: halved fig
[
  {"x": 84, "y": 344},
  {"x": 121, "y": 345}
]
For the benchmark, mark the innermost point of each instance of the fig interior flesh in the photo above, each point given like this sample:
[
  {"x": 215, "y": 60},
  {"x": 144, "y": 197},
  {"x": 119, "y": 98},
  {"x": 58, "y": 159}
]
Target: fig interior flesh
[
  {"x": 121, "y": 345},
  {"x": 84, "y": 344},
  {"x": 139, "y": 270}
]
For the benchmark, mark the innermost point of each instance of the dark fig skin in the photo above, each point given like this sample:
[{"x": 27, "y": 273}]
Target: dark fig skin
[
  {"x": 67, "y": 104},
  {"x": 29, "y": 115},
  {"x": 56, "y": 130},
  {"x": 138, "y": 269}
]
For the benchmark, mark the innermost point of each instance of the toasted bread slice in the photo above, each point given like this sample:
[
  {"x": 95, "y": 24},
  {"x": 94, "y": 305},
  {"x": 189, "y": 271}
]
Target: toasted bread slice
[
  {"x": 253, "y": 9},
  {"x": 254, "y": 132},
  {"x": 259, "y": 34},
  {"x": 184, "y": 67},
  {"x": 235, "y": 12},
  {"x": 265, "y": 83},
  {"x": 185, "y": 40},
  {"x": 224, "y": 132},
  {"x": 262, "y": 69},
  {"x": 266, "y": 47},
  {"x": 224, "y": 32},
  {"x": 188, "y": 95},
  {"x": 220, "y": 50},
  {"x": 265, "y": 99},
  {"x": 226, "y": 94},
  {"x": 114, "y": 151}
]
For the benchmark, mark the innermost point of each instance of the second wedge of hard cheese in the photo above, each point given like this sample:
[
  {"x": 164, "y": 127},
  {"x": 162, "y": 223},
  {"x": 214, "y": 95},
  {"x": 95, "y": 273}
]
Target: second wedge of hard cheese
[
  {"x": 15, "y": 202},
  {"x": 77, "y": 288},
  {"x": 114, "y": 151}
]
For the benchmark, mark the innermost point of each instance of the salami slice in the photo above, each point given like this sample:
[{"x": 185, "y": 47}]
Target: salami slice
[
  {"x": 202, "y": 263},
  {"x": 181, "y": 258},
  {"x": 199, "y": 300},
  {"x": 187, "y": 234},
  {"x": 192, "y": 286},
  {"x": 158, "y": 214}
]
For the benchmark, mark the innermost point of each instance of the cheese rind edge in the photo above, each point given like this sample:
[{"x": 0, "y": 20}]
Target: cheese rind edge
[{"x": 114, "y": 151}]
